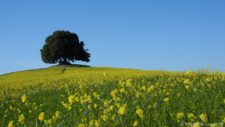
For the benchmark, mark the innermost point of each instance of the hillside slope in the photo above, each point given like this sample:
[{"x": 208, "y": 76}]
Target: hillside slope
[
  {"x": 110, "y": 97},
  {"x": 22, "y": 78}
]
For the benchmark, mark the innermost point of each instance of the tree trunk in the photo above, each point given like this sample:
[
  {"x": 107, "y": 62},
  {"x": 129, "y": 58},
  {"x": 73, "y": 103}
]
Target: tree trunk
[{"x": 64, "y": 62}]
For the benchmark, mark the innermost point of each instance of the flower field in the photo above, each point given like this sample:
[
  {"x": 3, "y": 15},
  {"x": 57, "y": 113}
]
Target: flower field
[{"x": 110, "y": 97}]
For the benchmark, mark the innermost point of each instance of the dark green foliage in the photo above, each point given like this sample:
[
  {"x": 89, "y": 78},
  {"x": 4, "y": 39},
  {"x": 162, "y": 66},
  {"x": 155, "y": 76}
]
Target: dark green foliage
[{"x": 62, "y": 47}]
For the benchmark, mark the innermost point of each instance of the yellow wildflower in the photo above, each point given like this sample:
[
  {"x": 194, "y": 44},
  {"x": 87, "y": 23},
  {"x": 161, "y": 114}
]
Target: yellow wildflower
[
  {"x": 21, "y": 119},
  {"x": 114, "y": 92},
  {"x": 138, "y": 94},
  {"x": 122, "y": 110},
  {"x": 89, "y": 107},
  {"x": 94, "y": 123},
  {"x": 57, "y": 114},
  {"x": 144, "y": 88},
  {"x": 135, "y": 124},
  {"x": 49, "y": 121},
  {"x": 67, "y": 106},
  {"x": 140, "y": 113},
  {"x": 187, "y": 82},
  {"x": 180, "y": 115},
  {"x": 10, "y": 124},
  {"x": 111, "y": 107},
  {"x": 151, "y": 88},
  {"x": 122, "y": 90},
  {"x": 81, "y": 125},
  {"x": 191, "y": 116},
  {"x": 88, "y": 99},
  {"x": 196, "y": 124},
  {"x": 23, "y": 98},
  {"x": 104, "y": 117},
  {"x": 71, "y": 99},
  {"x": 203, "y": 117},
  {"x": 187, "y": 87},
  {"x": 41, "y": 116},
  {"x": 95, "y": 105},
  {"x": 129, "y": 82},
  {"x": 96, "y": 95}
]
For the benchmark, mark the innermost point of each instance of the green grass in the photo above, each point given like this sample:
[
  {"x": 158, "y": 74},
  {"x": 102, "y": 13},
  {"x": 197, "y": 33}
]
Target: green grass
[{"x": 111, "y": 97}]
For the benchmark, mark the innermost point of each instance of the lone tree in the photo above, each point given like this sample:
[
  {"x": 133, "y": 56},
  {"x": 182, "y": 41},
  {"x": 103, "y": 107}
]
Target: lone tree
[{"x": 62, "y": 47}]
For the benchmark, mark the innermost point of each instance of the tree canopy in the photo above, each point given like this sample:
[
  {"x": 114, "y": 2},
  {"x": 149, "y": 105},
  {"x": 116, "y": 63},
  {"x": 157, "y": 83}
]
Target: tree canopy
[{"x": 62, "y": 47}]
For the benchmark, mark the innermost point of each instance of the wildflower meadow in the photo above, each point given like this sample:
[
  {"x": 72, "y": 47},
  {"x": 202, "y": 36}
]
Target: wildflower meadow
[{"x": 111, "y": 97}]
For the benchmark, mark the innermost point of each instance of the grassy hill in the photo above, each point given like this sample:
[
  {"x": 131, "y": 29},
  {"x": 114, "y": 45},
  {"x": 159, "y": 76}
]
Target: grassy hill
[{"x": 69, "y": 96}]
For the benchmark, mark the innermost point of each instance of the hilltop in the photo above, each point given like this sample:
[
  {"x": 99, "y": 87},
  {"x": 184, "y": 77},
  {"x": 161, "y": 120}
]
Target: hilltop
[{"x": 59, "y": 72}]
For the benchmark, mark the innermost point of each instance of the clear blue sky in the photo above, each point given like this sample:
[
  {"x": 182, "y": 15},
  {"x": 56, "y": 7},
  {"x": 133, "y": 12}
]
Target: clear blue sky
[{"x": 144, "y": 34}]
